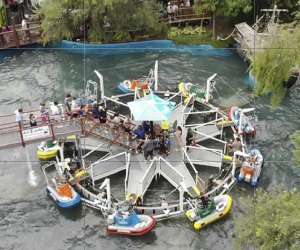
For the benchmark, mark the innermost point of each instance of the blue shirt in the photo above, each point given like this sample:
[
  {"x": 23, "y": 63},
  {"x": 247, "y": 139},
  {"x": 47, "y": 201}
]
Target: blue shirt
[{"x": 140, "y": 133}]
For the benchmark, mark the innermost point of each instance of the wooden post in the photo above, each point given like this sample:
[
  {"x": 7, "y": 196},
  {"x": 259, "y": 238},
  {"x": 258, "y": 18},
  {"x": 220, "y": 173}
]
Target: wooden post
[{"x": 16, "y": 37}]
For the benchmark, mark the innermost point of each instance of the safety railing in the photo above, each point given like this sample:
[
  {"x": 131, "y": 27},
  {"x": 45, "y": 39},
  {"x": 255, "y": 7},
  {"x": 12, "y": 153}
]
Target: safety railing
[
  {"x": 205, "y": 156},
  {"x": 170, "y": 173},
  {"x": 19, "y": 133},
  {"x": 190, "y": 162},
  {"x": 108, "y": 166},
  {"x": 16, "y": 36},
  {"x": 148, "y": 176},
  {"x": 112, "y": 132},
  {"x": 127, "y": 172}
]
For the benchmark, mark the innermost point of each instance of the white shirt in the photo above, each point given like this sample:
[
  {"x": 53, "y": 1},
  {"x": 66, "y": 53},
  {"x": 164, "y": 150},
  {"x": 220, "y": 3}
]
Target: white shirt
[
  {"x": 55, "y": 112},
  {"x": 19, "y": 116},
  {"x": 74, "y": 105},
  {"x": 24, "y": 24}
]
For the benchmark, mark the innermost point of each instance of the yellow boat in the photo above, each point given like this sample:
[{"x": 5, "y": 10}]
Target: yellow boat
[
  {"x": 216, "y": 209},
  {"x": 47, "y": 150}
]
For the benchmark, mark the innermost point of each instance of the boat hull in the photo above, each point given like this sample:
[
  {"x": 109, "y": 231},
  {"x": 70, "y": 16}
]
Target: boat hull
[
  {"x": 47, "y": 154},
  {"x": 124, "y": 88},
  {"x": 63, "y": 201},
  {"x": 149, "y": 223}
]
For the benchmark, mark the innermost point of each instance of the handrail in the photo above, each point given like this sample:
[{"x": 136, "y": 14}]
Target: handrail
[
  {"x": 210, "y": 137},
  {"x": 44, "y": 170},
  {"x": 127, "y": 172},
  {"x": 195, "y": 170},
  {"x": 148, "y": 170},
  {"x": 201, "y": 112},
  {"x": 108, "y": 158},
  {"x": 162, "y": 159},
  {"x": 113, "y": 100},
  {"x": 207, "y": 123},
  {"x": 169, "y": 99},
  {"x": 86, "y": 155}
]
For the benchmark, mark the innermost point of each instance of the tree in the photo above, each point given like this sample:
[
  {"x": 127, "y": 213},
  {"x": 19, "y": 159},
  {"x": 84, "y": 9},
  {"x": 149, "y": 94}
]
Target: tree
[
  {"x": 273, "y": 64},
  {"x": 222, "y": 8},
  {"x": 271, "y": 221},
  {"x": 100, "y": 20}
]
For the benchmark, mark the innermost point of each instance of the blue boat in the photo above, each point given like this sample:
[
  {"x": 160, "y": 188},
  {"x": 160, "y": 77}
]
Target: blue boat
[{"x": 59, "y": 189}]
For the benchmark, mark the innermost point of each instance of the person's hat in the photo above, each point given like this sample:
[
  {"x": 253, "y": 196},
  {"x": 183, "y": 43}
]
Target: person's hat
[
  {"x": 26, "y": 16},
  {"x": 169, "y": 3}
]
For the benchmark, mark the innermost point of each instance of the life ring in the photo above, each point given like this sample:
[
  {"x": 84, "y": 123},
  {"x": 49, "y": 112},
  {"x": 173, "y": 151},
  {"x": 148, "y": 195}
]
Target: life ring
[
  {"x": 221, "y": 206},
  {"x": 127, "y": 84}
]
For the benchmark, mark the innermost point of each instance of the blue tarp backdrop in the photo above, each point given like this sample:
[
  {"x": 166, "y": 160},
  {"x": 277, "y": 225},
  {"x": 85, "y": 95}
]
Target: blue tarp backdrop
[
  {"x": 141, "y": 47},
  {"x": 127, "y": 48}
]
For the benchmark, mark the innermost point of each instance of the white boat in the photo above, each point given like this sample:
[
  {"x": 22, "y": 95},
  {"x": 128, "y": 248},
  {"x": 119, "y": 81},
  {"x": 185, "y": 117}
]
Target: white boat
[
  {"x": 251, "y": 167},
  {"x": 242, "y": 122},
  {"x": 129, "y": 86}
]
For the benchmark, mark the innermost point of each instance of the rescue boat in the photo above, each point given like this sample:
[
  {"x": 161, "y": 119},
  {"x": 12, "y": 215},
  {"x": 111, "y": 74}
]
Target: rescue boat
[
  {"x": 130, "y": 223},
  {"x": 202, "y": 214}
]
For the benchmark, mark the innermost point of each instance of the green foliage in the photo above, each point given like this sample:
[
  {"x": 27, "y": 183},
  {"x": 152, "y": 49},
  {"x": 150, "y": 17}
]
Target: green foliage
[
  {"x": 223, "y": 7},
  {"x": 272, "y": 65},
  {"x": 102, "y": 20},
  {"x": 187, "y": 31},
  {"x": 271, "y": 222},
  {"x": 296, "y": 14},
  {"x": 296, "y": 139}
]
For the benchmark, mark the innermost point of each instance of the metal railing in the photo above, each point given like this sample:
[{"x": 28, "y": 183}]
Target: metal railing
[
  {"x": 113, "y": 169},
  {"x": 170, "y": 173},
  {"x": 148, "y": 176},
  {"x": 17, "y": 36}
]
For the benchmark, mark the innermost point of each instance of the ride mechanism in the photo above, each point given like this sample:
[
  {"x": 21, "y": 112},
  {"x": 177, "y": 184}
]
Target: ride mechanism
[{"x": 120, "y": 217}]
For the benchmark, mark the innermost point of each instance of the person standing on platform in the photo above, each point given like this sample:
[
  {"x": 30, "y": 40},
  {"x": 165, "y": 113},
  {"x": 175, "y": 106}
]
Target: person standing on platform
[{"x": 178, "y": 138}]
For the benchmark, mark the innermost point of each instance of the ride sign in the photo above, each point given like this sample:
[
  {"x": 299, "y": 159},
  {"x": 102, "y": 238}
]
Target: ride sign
[{"x": 38, "y": 132}]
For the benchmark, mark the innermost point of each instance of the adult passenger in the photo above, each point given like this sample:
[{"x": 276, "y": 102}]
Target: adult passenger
[
  {"x": 146, "y": 127},
  {"x": 139, "y": 132},
  {"x": 96, "y": 111},
  {"x": 235, "y": 146},
  {"x": 103, "y": 115},
  {"x": 149, "y": 147},
  {"x": 55, "y": 112},
  {"x": 25, "y": 26},
  {"x": 189, "y": 138},
  {"x": 178, "y": 138},
  {"x": 67, "y": 102},
  {"x": 19, "y": 115},
  {"x": 43, "y": 112}
]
